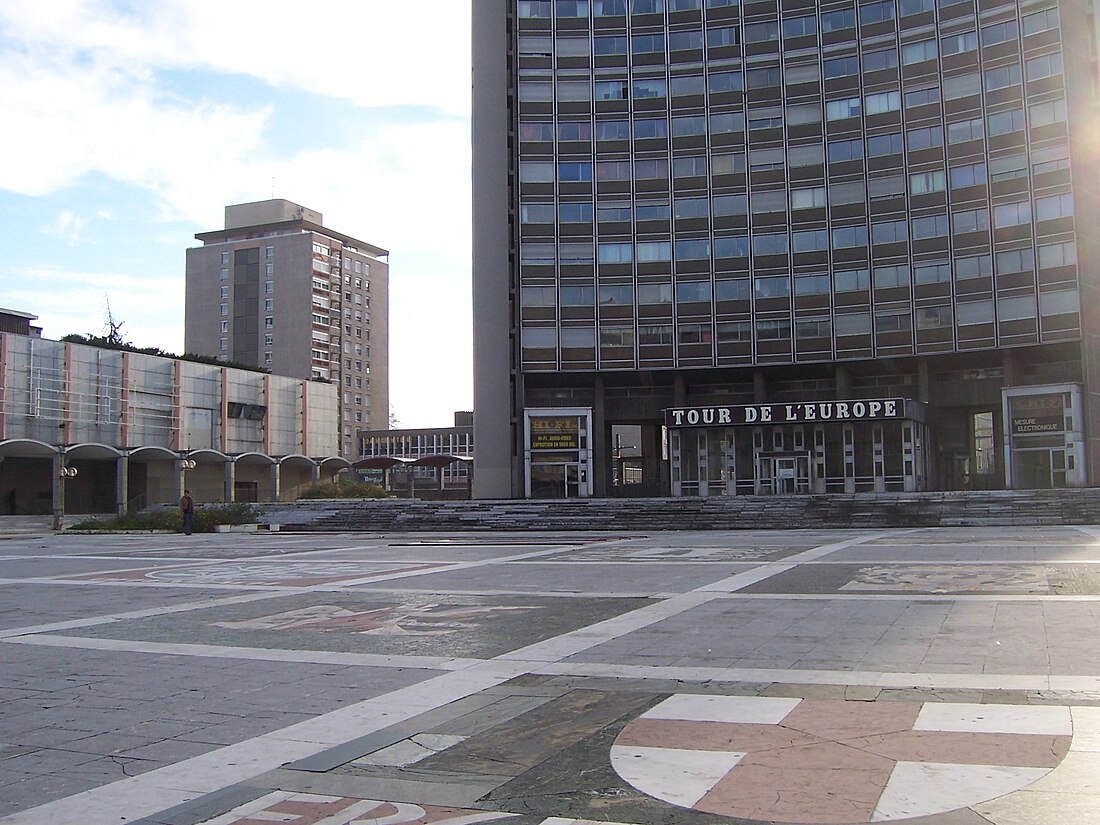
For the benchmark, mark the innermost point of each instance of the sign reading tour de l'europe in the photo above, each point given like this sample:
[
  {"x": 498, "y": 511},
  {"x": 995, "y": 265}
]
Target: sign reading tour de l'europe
[{"x": 815, "y": 412}]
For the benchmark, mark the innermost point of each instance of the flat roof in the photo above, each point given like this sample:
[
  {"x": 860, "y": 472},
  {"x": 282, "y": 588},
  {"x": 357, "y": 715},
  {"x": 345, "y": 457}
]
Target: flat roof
[{"x": 222, "y": 234}]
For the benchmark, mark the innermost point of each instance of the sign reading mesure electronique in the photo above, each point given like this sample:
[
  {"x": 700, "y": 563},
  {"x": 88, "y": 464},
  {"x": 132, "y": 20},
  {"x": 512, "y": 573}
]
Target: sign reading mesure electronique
[{"x": 816, "y": 412}]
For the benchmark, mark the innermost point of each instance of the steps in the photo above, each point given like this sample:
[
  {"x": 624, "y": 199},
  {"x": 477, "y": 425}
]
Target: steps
[{"x": 871, "y": 510}]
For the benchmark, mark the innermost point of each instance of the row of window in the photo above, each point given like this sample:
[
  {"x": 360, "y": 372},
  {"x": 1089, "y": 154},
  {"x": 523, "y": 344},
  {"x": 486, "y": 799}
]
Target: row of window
[{"x": 944, "y": 316}]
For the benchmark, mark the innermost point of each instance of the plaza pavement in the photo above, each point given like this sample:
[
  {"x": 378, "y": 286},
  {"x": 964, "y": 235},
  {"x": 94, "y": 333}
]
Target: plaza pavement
[{"x": 946, "y": 676}]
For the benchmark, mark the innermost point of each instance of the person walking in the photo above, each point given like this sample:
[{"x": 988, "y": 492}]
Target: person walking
[{"x": 187, "y": 510}]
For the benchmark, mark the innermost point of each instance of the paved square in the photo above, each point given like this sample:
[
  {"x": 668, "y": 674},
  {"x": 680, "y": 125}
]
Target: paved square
[{"x": 947, "y": 676}]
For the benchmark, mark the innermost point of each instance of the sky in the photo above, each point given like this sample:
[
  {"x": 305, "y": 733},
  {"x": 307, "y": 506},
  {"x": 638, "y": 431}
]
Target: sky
[{"x": 130, "y": 125}]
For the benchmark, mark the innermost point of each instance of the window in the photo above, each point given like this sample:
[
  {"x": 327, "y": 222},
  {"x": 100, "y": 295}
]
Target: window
[
  {"x": 537, "y": 254},
  {"x": 681, "y": 41},
  {"x": 852, "y": 323},
  {"x": 684, "y": 126},
  {"x": 571, "y": 8},
  {"x": 682, "y": 85},
  {"x": 574, "y": 171},
  {"x": 927, "y": 137},
  {"x": 683, "y": 208},
  {"x": 841, "y": 67},
  {"x": 537, "y": 296},
  {"x": 937, "y": 273},
  {"x": 880, "y": 59},
  {"x": 224, "y": 326},
  {"x": 650, "y": 128},
  {"x": 534, "y": 8},
  {"x": 972, "y": 174},
  {"x": 964, "y": 85},
  {"x": 1048, "y": 65},
  {"x": 770, "y": 244},
  {"x": 572, "y": 254},
  {"x": 223, "y": 344},
  {"x": 610, "y": 89},
  {"x": 607, "y": 170},
  {"x": 1057, "y": 254},
  {"x": 609, "y": 8},
  {"x": 840, "y": 109},
  {"x": 839, "y": 20},
  {"x": 573, "y": 213},
  {"x": 911, "y": 7},
  {"x": 1012, "y": 214},
  {"x": 848, "y": 192},
  {"x": 970, "y": 220},
  {"x": 615, "y": 253},
  {"x": 536, "y": 213},
  {"x": 650, "y": 88},
  {"x": 935, "y": 317},
  {"x": 893, "y": 321},
  {"x": 223, "y": 310},
  {"x": 1051, "y": 111},
  {"x": 810, "y": 240},
  {"x": 999, "y": 33},
  {"x": 647, "y": 43},
  {"x": 974, "y": 266},
  {"x": 693, "y": 334},
  {"x": 876, "y": 12},
  {"x": 269, "y": 305},
  {"x": 536, "y": 131},
  {"x": 653, "y": 168},
  {"x": 612, "y": 129},
  {"x": 725, "y": 123},
  {"x": 1002, "y": 77},
  {"x": 879, "y": 145},
  {"x": 811, "y": 285},
  {"x": 616, "y": 337},
  {"x": 846, "y": 237},
  {"x": 660, "y": 334},
  {"x": 731, "y": 246},
  {"x": 269, "y": 287},
  {"x": 269, "y": 340},
  {"x": 692, "y": 292},
  {"x": 724, "y": 36},
  {"x": 616, "y": 294},
  {"x": 922, "y": 97},
  {"x": 692, "y": 250},
  {"x": 734, "y": 332},
  {"x": 269, "y": 322},
  {"x": 1016, "y": 309},
  {"x": 761, "y": 32},
  {"x": 968, "y": 313},
  {"x": 578, "y": 296},
  {"x": 654, "y": 251},
  {"x": 966, "y": 130},
  {"x": 924, "y": 183},
  {"x": 269, "y": 252},
  {"x": 889, "y": 277},
  {"x": 774, "y": 287},
  {"x": 719, "y": 82},
  {"x": 919, "y": 52},
  {"x": 930, "y": 226},
  {"x": 651, "y": 294},
  {"x": 1002, "y": 123},
  {"x": 578, "y": 338},
  {"x": 1016, "y": 260},
  {"x": 852, "y": 280},
  {"x": 890, "y": 232},
  {"x": 225, "y": 292},
  {"x": 1041, "y": 21},
  {"x": 882, "y": 102},
  {"x": 732, "y": 290},
  {"x": 809, "y": 155},
  {"x": 225, "y": 274},
  {"x": 822, "y": 328},
  {"x": 763, "y": 78},
  {"x": 808, "y": 198},
  {"x": 653, "y": 211},
  {"x": 1008, "y": 167},
  {"x": 959, "y": 43},
  {"x": 606, "y": 46},
  {"x": 573, "y": 130},
  {"x": 1053, "y": 207},
  {"x": 536, "y": 171},
  {"x": 225, "y": 257},
  {"x": 773, "y": 330},
  {"x": 799, "y": 26}
]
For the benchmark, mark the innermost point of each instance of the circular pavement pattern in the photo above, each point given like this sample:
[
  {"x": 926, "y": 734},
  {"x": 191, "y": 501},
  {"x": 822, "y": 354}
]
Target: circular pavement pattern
[{"x": 834, "y": 761}]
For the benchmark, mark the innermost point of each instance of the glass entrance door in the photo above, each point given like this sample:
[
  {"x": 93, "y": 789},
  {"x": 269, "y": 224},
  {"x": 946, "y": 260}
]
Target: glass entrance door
[
  {"x": 784, "y": 475},
  {"x": 1039, "y": 469},
  {"x": 556, "y": 480}
]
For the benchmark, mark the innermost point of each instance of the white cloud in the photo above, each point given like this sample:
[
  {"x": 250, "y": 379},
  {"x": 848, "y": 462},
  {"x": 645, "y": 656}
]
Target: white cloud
[{"x": 66, "y": 227}]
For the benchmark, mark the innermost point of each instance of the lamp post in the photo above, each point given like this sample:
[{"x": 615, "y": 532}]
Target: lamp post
[{"x": 63, "y": 473}]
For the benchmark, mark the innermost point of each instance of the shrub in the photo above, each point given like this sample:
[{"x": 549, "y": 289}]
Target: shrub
[
  {"x": 206, "y": 517},
  {"x": 343, "y": 488}
]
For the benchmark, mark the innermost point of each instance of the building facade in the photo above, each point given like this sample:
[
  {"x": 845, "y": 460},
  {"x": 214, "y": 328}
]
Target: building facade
[
  {"x": 795, "y": 246},
  {"x": 131, "y": 430},
  {"x": 438, "y": 457},
  {"x": 277, "y": 289}
]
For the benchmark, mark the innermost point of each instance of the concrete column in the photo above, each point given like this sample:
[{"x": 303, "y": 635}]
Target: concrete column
[
  {"x": 843, "y": 380},
  {"x": 597, "y": 442},
  {"x": 58, "y": 493},
  {"x": 230, "y": 477},
  {"x": 122, "y": 485},
  {"x": 276, "y": 482},
  {"x": 178, "y": 481},
  {"x": 759, "y": 387},
  {"x": 924, "y": 381}
]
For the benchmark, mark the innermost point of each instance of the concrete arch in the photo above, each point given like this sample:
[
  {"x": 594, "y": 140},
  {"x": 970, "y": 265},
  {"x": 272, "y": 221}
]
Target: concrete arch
[
  {"x": 210, "y": 456},
  {"x": 92, "y": 451},
  {"x": 255, "y": 478},
  {"x": 153, "y": 454},
  {"x": 28, "y": 483},
  {"x": 297, "y": 473},
  {"x": 26, "y": 448}
]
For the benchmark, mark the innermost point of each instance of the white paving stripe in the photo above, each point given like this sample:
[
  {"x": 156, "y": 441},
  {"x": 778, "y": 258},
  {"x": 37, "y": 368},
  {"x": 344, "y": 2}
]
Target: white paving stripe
[
  {"x": 925, "y": 788},
  {"x": 1045, "y": 720},
  {"x": 681, "y": 777},
  {"x": 316, "y": 657},
  {"x": 749, "y": 710}
]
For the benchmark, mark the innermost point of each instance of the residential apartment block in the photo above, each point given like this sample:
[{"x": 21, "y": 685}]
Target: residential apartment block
[
  {"x": 794, "y": 246},
  {"x": 278, "y": 289}
]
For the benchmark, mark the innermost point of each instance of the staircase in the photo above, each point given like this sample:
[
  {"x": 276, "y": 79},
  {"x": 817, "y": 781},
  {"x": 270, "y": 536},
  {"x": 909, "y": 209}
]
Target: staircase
[{"x": 872, "y": 510}]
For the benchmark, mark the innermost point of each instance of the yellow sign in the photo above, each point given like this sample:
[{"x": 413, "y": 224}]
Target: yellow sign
[{"x": 554, "y": 434}]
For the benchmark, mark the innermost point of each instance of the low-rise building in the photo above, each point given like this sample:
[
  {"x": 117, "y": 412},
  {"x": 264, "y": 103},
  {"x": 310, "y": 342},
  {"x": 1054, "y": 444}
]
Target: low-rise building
[
  {"x": 137, "y": 428},
  {"x": 438, "y": 458}
]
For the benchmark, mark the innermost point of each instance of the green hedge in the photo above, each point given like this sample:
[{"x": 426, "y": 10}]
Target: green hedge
[
  {"x": 206, "y": 517},
  {"x": 344, "y": 489}
]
